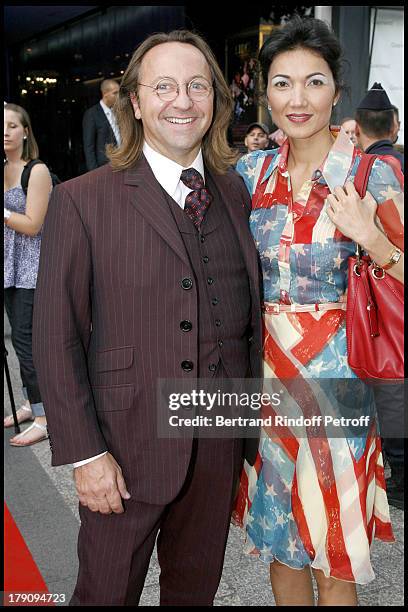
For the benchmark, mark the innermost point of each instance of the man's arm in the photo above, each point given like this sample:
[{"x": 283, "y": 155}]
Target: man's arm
[
  {"x": 89, "y": 138},
  {"x": 61, "y": 334}
]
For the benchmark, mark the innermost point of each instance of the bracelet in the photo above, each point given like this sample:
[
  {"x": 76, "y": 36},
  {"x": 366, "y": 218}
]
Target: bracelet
[{"x": 392, "y": 259}]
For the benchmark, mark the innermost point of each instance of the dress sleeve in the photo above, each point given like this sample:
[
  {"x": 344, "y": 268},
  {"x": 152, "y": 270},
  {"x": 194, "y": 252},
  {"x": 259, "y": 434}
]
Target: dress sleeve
[
  {"x": 386, "y": 185},
  {"x": 247, "y": 168}
]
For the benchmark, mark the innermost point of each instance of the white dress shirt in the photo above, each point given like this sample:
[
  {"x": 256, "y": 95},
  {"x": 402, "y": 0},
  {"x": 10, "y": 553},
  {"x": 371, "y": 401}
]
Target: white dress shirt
[
  {"x": 110, "y": 115},
  {"x": 167, "y": 172}
]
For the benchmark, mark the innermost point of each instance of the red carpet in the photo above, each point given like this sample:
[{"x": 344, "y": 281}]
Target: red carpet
[{"x": 21, "y": 574}]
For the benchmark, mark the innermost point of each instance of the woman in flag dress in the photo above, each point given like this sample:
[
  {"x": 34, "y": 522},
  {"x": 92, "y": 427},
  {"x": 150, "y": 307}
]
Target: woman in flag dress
[{"x": 312, "y": 504}]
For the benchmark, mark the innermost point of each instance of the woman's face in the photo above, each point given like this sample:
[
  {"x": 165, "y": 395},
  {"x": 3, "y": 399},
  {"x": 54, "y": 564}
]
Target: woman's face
[
  {"x": 14, "y": 131},
  {"x": 301, "y": 93}
]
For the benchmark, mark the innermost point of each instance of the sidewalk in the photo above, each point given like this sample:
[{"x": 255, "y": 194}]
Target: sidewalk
[{"x": 43, "y": 503}]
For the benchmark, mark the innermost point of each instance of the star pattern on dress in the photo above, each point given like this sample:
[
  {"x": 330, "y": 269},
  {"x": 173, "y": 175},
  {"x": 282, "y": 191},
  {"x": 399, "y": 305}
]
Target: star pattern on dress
[
  {"x": 292, "y": 548},
  {"x": 389, "y": 193},
  {"x": 338, "y": 260},
  {"x": 271, "y": 490},
  {"x": 277, "y": 454},
  {"x": 312, "y": 265}
]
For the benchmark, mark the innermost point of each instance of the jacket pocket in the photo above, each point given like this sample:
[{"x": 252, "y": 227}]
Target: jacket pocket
[
  {"x": 114, "y": 359},
  {"x": 112, "y": 399}
]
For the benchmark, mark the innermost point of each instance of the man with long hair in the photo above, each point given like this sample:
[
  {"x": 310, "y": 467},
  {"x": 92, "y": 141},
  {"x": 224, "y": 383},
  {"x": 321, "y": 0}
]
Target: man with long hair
[{"x": 149, "y": 272}]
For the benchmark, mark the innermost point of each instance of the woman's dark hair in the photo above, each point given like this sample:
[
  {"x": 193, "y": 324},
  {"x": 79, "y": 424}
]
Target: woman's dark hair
[{"x": 304, "y": 33}]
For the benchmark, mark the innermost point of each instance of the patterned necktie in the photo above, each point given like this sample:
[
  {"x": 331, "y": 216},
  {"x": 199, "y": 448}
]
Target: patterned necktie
[{"x": 199, "y": 199}]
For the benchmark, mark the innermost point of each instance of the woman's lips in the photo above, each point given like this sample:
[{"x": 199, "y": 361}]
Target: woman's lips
[{"x": 299, "y": 118}]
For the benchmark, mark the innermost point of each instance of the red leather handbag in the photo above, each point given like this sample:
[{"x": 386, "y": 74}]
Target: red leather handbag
[{"x": 375, "y": 309}]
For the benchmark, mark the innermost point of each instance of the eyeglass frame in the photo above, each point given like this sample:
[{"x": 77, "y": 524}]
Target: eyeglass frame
[{"x": 154, "y": 87}]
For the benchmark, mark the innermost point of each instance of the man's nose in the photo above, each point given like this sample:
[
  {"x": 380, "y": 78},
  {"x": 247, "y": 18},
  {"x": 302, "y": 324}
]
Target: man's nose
[{"x": 183, "y": 100}]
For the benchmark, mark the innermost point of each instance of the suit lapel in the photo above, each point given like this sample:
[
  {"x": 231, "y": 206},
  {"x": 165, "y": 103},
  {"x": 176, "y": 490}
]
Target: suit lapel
[
  {"x": 105, "y": 120},
  {"x": 149, "y": 200},
  {"x": 232, "y": 200}
]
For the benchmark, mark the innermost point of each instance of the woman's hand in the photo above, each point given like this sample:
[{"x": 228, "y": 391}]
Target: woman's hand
[{"x": 353, "y": 216}]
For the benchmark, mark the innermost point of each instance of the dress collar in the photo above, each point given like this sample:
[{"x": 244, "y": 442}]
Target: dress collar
[{"x": 335, "y": 168}]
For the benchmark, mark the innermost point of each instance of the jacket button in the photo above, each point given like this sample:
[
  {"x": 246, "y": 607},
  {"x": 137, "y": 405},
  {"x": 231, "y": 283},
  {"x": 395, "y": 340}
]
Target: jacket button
[
  {"x": 187, "y": 283},
  {"x": 186, "y": 326},
  {"x": 210, "y": 280},
  {"x": 218, "y": 322},
  {"x": 212, "y": 367},
  {"x": 214, "y": 301},
  {"x": 202, "y": 238},
  {"x": 187, "y": 366},
  {"x": 206, "y": 259}
]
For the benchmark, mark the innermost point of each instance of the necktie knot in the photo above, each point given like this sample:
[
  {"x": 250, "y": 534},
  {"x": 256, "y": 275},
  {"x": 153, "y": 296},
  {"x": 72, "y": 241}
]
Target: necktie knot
[
  {"x": 199, "y": 199},
  {"x": 192, "y": 179}
]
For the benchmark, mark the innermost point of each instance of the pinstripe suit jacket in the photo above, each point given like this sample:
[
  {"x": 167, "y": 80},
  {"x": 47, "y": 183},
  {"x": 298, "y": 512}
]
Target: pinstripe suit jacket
[{"x": 108, "y": 306}]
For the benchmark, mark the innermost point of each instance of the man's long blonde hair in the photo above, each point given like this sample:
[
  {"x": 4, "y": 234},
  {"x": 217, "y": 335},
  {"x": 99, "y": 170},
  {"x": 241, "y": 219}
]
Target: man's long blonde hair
[{"x": 216, "y": 151}]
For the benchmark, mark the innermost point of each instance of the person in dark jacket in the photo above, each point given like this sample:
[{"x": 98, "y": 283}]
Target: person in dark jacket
[
  {"x": 99, "y": 126},
  {"x": 375, "y": 124},
  {"x": 375, "y": 131}
]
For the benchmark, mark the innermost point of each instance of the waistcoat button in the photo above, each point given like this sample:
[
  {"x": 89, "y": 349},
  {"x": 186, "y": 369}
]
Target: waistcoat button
[
  {"x": 186, "y": 326},
  {"x": 187, "y": 283}
]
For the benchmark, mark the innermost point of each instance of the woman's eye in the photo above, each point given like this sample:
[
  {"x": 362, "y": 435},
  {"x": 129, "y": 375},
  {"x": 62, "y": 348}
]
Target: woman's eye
[
  {"x": 316, "y": 82},
  {"x": 281, "y": 84}
]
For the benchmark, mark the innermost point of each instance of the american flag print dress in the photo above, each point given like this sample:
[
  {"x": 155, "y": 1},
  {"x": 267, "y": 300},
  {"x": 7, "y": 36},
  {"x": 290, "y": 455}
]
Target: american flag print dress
[{"x": 313, "y": 500}]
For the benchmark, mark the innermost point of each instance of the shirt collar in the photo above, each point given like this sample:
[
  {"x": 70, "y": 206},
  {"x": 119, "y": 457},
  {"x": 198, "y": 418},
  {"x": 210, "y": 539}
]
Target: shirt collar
[
  {"x": 379, "y": 143},
  {"x": 333, "y": 171},
  {"x": 105, "y": 108},
  {"x": 167, "y": 171}
]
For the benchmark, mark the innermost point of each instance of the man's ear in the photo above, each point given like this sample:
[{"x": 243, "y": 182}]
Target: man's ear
[
  {"x": 357, "y": 130},
  {"x": 246, "y": 141},
  {"x": 135, "y": 104}
]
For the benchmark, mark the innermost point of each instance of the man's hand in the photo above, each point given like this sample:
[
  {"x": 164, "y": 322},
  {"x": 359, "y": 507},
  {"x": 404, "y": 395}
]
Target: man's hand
[{"x": 100, "y": 485}]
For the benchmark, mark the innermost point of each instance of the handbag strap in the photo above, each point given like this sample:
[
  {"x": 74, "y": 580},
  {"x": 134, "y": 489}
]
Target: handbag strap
[
  {"x": 361, "y": 181},
  {"x": 363, "y": 173}
]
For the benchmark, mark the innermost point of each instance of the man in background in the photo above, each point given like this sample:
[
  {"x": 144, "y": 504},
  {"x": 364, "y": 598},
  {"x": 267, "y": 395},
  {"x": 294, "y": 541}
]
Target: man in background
[
  {"x": 375, "y": 131},
  {"x": 349, "y": 126},
  {"x": 99, "y": 126},
  {"x": 375, "y": 124},
  {"x": 257, "y": 137},
  {"x": 397, "y": 125}
]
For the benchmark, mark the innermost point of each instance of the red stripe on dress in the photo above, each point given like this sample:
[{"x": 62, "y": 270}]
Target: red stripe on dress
[
  {"x": 316, "y": 332},
  {"x": 260, "y": 187},
  {"x": 336, "y": 547}
]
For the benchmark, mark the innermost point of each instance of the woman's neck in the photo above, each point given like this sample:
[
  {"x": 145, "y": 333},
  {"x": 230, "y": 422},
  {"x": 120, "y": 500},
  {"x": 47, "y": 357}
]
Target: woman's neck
[
  {"x": 309, "y": 153},
  {"x": 14, "y": 158}
]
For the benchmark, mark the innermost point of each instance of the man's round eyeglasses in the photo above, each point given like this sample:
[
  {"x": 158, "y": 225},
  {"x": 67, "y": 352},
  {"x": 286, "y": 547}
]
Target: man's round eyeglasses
[{"x": 168, "y": 89}]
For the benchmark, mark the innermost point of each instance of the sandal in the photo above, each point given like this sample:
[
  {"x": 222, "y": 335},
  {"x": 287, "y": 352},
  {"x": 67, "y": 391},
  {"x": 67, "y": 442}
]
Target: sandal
[
  {"x": 23, "y": 414},
  {"x": 43, "y": 428}
]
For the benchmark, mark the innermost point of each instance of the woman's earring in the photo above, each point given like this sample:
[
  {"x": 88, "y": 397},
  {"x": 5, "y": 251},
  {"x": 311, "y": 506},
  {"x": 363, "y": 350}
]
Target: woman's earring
[
  {"x": 24, "y": 137},
  {"x": 269, "y": 108}
]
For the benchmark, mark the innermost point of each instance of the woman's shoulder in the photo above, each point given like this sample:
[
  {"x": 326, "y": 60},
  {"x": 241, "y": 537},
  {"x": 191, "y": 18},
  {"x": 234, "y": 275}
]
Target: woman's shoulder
[
  {"x": 386, "y": 179},
  {"x": 249, "y": 164}
]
